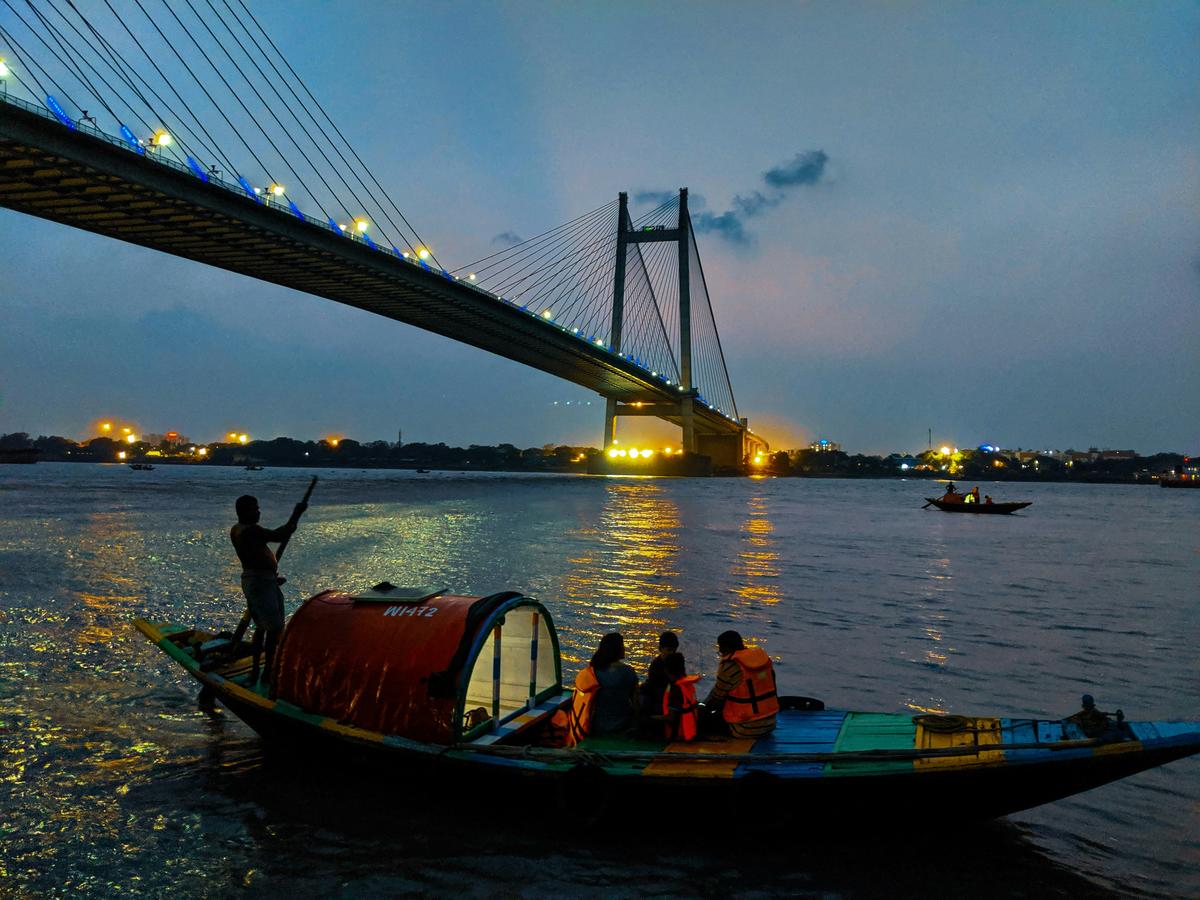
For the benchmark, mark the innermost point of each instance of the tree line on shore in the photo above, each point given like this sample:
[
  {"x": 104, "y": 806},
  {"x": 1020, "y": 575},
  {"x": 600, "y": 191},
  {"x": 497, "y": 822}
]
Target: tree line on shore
[{"x": 978, "y": 465}]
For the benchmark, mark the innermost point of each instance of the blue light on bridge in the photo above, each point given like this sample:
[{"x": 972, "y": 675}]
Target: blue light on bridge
[
  {"x": 60, "y": 113},
  {"x": 250, "y": 192},
  {"x": 370, "y": 243},
  {"x": 131, "y": 139},
  {"x": 295, "y": 210},
  {"x": 195, "y": 167},
  {"x": 333, "y": 226}
]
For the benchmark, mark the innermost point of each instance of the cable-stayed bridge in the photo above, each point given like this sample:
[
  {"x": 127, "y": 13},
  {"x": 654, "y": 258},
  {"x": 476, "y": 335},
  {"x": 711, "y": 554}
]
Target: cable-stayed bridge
[{"x": 614, "y": 304}]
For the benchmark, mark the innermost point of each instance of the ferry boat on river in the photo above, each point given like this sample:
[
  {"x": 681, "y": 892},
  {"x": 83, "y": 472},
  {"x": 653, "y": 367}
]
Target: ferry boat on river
[{"x": 464, "y": 689}]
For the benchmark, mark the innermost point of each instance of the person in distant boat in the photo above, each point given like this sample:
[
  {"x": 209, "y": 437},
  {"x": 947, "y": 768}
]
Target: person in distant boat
[
  {"x": 987, "y": 499},
  {"x": 656, "y": 682},
  {"x": 614, "y": 706},
  {"x": 973, "y": 497},
  {"x": 680, "y": 711},
  {"x": 260, "y": 574},
  {"x": 1091, "y": 721},
  {"x": 744, "y": 700}
]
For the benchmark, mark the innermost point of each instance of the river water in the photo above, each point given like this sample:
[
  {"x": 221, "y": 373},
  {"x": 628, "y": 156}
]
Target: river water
[{"x": 114, "y": 782}]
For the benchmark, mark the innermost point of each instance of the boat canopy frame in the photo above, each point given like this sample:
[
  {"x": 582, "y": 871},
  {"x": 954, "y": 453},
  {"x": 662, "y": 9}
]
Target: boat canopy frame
[{"x": 491, "y": 629}]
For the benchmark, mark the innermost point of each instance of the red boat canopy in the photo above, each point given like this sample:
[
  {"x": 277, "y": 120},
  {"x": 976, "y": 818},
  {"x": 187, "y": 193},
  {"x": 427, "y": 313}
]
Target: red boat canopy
[{"x": 423, "y": 665}]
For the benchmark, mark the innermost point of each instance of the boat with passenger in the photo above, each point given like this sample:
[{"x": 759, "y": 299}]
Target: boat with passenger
[
  {"x": 464, "y": 690},
  {"x": 990, "y": 508},
  {"x": 141, "y": 467}
]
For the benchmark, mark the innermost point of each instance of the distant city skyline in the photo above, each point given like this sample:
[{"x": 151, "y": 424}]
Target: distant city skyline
[
  {"x": 965, "y": 218},
  {"x": 120, "y": 430}
]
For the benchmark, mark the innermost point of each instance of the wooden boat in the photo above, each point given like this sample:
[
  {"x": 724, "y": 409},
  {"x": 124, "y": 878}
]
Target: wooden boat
[
  {"x": 464, "y": 689},
  {"x": 141, "y": 467},
  {"x": 995, "y": 509}
]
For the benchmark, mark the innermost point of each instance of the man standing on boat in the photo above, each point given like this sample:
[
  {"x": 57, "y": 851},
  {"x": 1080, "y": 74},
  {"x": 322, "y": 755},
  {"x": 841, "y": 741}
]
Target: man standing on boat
[
  {"x": 744, "y": 700},
  {"x": 260, "y": 573}
]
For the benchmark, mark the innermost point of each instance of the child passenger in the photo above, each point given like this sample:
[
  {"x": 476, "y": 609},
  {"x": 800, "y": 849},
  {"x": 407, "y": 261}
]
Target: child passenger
[{"x": 679, "y": 707}]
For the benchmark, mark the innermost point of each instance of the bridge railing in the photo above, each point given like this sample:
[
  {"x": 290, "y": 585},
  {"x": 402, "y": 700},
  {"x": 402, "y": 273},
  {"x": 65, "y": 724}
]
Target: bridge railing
[{"x": 245, "y": 190}]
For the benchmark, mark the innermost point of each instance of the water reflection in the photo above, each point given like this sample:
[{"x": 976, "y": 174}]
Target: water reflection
[
  {"x": 933, "y": 618},
  {"x": 625, "y": 578},
  {"x": 757, "y": 565}
]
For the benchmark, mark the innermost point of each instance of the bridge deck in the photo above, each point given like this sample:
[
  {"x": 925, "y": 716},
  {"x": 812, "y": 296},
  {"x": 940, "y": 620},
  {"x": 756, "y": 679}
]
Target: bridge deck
[{"x": 85, "y": 181}]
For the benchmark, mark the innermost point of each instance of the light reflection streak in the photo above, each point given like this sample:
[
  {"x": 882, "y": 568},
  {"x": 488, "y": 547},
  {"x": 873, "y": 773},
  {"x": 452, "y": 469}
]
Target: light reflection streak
[
  {"x": 757, "y": 566},
  {"x": 625, "y": 579}
]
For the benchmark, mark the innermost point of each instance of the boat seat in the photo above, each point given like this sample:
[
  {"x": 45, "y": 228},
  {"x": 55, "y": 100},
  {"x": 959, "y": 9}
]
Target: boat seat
[{"x": 520, "y": 721}]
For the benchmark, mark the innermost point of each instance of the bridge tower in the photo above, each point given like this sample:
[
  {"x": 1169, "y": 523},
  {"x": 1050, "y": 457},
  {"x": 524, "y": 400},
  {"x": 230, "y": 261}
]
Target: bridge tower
[{"x": 684, "y": 409}]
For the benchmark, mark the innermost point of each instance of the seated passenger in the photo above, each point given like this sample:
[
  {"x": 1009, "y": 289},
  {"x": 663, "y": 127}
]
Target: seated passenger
[
  {"x": 615, "y": 704},
  {"x": 987, "y": 498},
  {"x": 743, "y": 702},
  {"x": 680, "y": 712},
  {"x": 656, "y": 681},
  {"x": 1091, "y": 721}
]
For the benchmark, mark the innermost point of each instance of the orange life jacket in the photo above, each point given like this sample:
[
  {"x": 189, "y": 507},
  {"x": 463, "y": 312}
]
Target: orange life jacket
[
  {"x": 579, "y": 721},
  {"x": 754, "y": 697},
  {"x": 688, "y": 715}
]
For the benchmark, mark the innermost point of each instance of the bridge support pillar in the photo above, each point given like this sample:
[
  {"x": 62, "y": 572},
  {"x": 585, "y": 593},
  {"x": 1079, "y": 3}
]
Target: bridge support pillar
[
  {"x": 688, "y": 421},
  {"x": 610, "y": 422},
  {"x": 725, "y": 450}
]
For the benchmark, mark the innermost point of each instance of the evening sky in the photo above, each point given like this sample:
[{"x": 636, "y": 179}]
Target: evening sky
[{"x": 1001, "y": 241}]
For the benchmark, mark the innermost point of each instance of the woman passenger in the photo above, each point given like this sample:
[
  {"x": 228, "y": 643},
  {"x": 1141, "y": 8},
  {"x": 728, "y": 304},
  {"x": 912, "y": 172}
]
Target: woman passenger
[{"x": 615, "y": 704}]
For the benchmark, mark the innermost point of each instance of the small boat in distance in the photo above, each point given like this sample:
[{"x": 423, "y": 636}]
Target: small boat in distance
[
  {"x": 464, "y": 691},
  {"x": 253, "y": 468},
  {"x": 422, "y": 471},
  {"x": 141, "y": 467},
  {"x": 959, "y": 506},
  {"x": 1185, "y": 475}
]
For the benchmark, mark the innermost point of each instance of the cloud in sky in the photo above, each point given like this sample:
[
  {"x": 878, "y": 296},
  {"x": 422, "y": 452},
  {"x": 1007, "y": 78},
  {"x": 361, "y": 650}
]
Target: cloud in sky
[
  {"x": 806, "y": 168},
  {"x": 506, "y": 239}
]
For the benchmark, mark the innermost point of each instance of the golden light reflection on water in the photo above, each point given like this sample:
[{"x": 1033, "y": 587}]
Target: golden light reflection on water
[
  {"x": 625, "y": 580},
  {"x": 757, "y": 566}
]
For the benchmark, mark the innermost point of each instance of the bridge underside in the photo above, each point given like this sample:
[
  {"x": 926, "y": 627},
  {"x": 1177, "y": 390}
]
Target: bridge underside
[{"x": 82, "y": 180}]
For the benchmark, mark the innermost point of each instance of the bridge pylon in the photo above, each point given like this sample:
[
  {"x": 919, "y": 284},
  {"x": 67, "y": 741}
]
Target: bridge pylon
[{"x": 729, "y": 447}]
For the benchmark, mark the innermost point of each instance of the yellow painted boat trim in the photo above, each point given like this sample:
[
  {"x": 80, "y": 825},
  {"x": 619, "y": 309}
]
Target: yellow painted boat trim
[
  {"x": 979, "y": 732},
  {"x": 1114, "y": 749},
  {"x": 691, "y": 768},
  {"x": 358, "y": 734}
]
